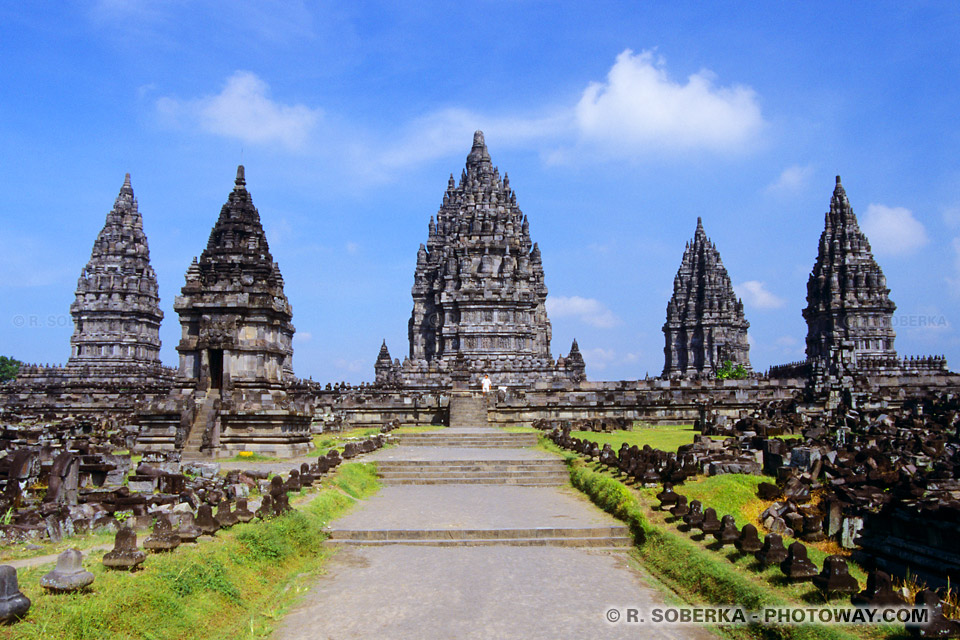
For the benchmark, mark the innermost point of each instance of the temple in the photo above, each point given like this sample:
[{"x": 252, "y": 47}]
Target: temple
[
  {"x": 236, "y": 346},
  {"x": 849, "y": 312},
  {"x": 116, "y": 313},
  {"x": 114, "y": 358},
  {"x": 705, "y": 324},
  {"x": 479, "y": 290}
]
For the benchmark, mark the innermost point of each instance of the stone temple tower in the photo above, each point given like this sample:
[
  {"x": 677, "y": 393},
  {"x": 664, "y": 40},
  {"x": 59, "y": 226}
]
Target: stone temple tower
[
  {"x": 235, "y": 348},
  {"x": 116, "y": 313},
  {"x": 479, "y": 286},
  {"x": 849, "y": 313},
  {"x": 705, "y": 323},
  {"x": 236, "y": 320}
]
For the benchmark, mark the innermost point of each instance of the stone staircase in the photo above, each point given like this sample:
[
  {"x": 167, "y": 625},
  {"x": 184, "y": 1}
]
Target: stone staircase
[
  {"x": 467, "y": 410},
  {"x": 528, "y": 473},
  {"x": 599, "y": 536},
  {"x": 480, "y": 438},
  {"x": 205, "y": 415}
]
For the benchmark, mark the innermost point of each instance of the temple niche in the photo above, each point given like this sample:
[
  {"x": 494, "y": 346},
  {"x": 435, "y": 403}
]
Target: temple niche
[
  {"x": 479, "y": 290},
  {"x": 236, "y": 345},
  {"x": 705, "y": 324}
]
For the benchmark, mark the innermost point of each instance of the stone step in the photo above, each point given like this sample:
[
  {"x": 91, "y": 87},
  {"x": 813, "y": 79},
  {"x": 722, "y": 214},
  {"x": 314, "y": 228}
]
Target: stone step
[
  {"x": 444, "y": 437},
  {"x": 612, "y": 544},
  {"x": 469, "y": 445},
  {"x": 478, "y": 473},
  {"x": 611, "y": 531},
  {"x": 521, "y": 481},
  {"x": 385, "y": 465},
  {"x": 472, "y": 469}
]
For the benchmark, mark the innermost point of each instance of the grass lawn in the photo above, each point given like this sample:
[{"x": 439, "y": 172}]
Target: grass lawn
[
  {"x": 237, "y": 584},
  {"x": 701, "y": 572},
  {"x": 666, "y": 438}
]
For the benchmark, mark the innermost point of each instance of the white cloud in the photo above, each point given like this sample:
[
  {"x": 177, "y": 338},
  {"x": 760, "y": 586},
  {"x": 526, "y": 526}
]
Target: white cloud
[
  {"x": 755, "y": 294},
  {"x": 353, "y": 366},
  {"x": 953, "y": 283},
  {"x": 598, "y": 358},
  {"x": 243, "y": 110},
  {"x": 352, "y": 248},
  {"x": 640, "y": 106},
  {"x": 951, "y": 217},
  {"x": 303, "y": 336},
  {"x": 792, "y": 178},
  {"x": 588, "y": 310},
  {"x": 893, "y": 231},
  {"x": 443, "y": 133}
]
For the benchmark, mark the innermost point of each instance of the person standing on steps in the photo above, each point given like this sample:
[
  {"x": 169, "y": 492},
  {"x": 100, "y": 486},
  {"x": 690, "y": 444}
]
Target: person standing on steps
[{"x": 485, "y": 385}]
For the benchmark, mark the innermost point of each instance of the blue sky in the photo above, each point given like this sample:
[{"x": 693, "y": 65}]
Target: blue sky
[{"x": 618, "y": 122}]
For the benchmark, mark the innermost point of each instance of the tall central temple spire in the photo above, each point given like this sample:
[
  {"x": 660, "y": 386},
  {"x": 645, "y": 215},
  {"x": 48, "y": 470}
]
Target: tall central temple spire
[{"x": 479, "y": 286}]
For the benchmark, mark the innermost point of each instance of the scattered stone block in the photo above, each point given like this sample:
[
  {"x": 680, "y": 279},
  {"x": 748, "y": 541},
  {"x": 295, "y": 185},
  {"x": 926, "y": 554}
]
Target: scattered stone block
[{"x": 69, "y": 574}]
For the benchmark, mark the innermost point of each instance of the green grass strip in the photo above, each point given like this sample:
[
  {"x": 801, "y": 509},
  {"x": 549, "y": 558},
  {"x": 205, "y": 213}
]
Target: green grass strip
[
  {"x": 699, "y": 576},
  {"x": 235, "y": 585}
]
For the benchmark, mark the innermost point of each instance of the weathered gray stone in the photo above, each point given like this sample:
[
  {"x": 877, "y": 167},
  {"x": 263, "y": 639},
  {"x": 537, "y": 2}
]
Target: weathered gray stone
[
  {"x": 705, "y": 324},
  {"x": 69, "y": 574},
  {"x": 479, "y": 290},
  {"x": 125, "y": 554},
  {"x": 13, "y": 604}
]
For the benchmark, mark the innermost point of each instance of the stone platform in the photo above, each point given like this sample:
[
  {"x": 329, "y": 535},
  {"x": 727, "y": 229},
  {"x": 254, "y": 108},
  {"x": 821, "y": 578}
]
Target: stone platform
[{"x": 466, "y": 515}]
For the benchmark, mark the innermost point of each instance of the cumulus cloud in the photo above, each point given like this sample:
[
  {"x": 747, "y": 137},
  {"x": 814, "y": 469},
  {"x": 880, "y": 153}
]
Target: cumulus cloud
[
  {"x": 755, "y": 294},
  {"x": 791, "y": 179},
  {"x": 893, "y": 231},
  {"x": 588, "y": 310},
  {"x": 639, "y": 106},
  {"x": 953, "y": 282},
  {"x": 352, "y": 366},
  {"x": 951, "y": 217},
  {"x": 442, "y": 133},
  {"x": 303, "y": 336},
  {"x": 244, "y": 110},
  {"x": 599, "y": 358}
]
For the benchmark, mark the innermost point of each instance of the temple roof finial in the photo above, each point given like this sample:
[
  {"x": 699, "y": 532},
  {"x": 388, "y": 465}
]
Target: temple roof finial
[
  {"x": 241, "y": 181},
  {"x": 479, "y": 157}
]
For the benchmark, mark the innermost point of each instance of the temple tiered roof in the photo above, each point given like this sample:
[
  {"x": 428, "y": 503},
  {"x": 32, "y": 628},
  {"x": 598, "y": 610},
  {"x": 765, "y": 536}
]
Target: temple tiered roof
[
  {"x": 479, "y": 285},
  {"x": 848, "y": 301},
  {"x": 705, "y": 324},
  {"x": 116, "y": 312}
]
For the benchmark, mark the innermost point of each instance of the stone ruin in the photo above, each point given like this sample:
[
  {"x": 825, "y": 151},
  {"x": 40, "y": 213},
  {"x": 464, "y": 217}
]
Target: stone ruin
[
  {"x": 849, "y": 314},
  {"x": 236, "y": 353},
  {"x": 479, "y": 290},
  {"x": 705, "y": 324},
  {"x": 115, "y": 347}
]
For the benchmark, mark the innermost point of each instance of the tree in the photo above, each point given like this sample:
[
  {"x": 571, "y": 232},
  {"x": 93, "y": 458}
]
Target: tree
[
  {"x": 730, "y": 372},
  {"x": 9, "y": 368}
]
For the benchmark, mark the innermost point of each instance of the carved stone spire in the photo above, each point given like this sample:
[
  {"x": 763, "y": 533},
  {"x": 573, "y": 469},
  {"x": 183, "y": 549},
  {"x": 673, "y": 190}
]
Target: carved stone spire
[
  {"x": 479, "y": 284},
  {"x": 117, "y": 310},
  {"x": 238, "y": 328},
  {"x": 705, "y": 324},
  {"x": 848, "y": 302}
]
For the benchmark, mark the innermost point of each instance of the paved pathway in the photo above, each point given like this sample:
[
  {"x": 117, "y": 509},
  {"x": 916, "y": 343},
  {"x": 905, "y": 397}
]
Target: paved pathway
[{"x": 406, "y": 589}]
